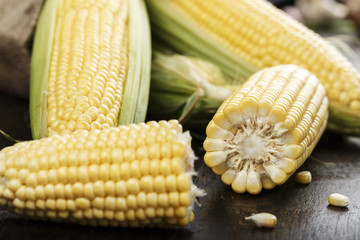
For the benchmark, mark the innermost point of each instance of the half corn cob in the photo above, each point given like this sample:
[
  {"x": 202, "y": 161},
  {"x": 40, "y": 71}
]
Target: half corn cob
[
  {"x": 241, "y": 36},
  {"x": 132, "y": 175},
  {"x": 265, "y": 131},
  {"x": 90, "y": 66}
]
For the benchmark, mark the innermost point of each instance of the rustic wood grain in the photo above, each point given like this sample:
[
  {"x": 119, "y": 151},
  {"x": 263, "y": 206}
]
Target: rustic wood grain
[
  {"x": 302, "y": 211},
  {"x": 17, "y": 24}
]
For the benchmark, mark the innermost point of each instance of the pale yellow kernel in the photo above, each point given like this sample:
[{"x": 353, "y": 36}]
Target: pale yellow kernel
[
  {"x": 142, "y": 153},
  {"x": 50, "y": 204},
  {"x": 61, "y": 174},
  {"x": 135, "y": 170},
  {"x": 78, "y": 189},
  {"x": 146, "y": 183},
  {"x": 98, "y": 202},
  {"x": 104, "y": 172},
  {"x": 150, "y": 212},
  {"x": 52, "y": 176},
  {"x": 40, "y": 204},
  {"x": 183, "y": 182},
  {"x": 140, "y": 214},
  {"x": 30, "y": 205},
  {"x": 115, "y": 172},
  {"x": 133, "y": 186},
  {"x": 174, "y": 199},
  {"x": 11, "y": 173},
  {"x": 14, "y": 185},
  {"x": 303, "y": 177},
  {"x": 82, "y": 203},
  {"x": 121, "y": 189},
  {"x": 93, "y": 172},
  {"x": 154, "y": 167},
  {"x": 338, "y": 200},
  {"x": 117, "y": 155},
  {"x": 154, "y": 151},
  {"x": 163, "y": 200},
  {"x": 78, "y": 214},
  {"x": 181, "y": 212},
  {"x": 130, "y": 215},
  {"x": 170, "y": 183},
  {"x": 121, "y": 204},
  {"x": 108, "y": 214},
  {"x": 70, "y": 205},
  {"x": 22, "y": 175},
  {"x": 152, "y": 199},
  {"x": 120, "y": 216},
  {"x": 169, "y": 212},
  {"x": 159, "y": 184},
  {"x": 131, "y": 202},
  {"x": 99, "y": 189},
  {"x": 129, "y": 154},
  {"x": 89, "y": 191},
  {"x": 40, "y": 192},
  {"x": 72, "y": 174},
  {"x": 141, "y": 200},
  {"x": 165, "y": 167},
  {"x": 83, "y": 174},
  {"x": 110, "y": 203},
  {"x": 68, "y": 191},
  {"x": 29, "y": 194},
  {"x": 267, "y": 220},
  {"x": 60, "y": 204},
  {"x": 185, "y": 199},
  {"x": 63, "y": 214},
  {"x": 18, "y": 203},
  {"x": 20, "y": 193}
]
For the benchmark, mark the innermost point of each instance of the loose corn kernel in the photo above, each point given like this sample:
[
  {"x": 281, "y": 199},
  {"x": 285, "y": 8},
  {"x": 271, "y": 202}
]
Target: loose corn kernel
[
  {"x": 267, "y": 220},
  {"x": 303, "y": 177},
  {"x": 338, "y": 200}
]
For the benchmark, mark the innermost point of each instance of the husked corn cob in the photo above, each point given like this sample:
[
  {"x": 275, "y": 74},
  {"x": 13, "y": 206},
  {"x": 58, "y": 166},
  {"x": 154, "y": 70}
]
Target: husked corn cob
[
  {"x": 82, "y": 65},
  {"x": 131, "y": 175},
  {"x": 265, "y": 131},
  {"x": 242, "y": 35}
]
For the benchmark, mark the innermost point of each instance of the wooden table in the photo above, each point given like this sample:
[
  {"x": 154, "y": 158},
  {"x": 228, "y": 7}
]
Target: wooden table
[{"x": 302, "y": 211}]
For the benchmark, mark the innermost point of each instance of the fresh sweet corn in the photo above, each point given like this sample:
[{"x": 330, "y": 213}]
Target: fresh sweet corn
[
  {"x": 265, "y": 131},
  {"x": 241, "y": 36},
  {"x": 131, "y": 175},
  {"x": 90, "y": 66}
]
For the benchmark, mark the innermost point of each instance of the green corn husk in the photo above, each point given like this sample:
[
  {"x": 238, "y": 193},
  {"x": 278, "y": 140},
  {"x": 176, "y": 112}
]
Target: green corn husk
[
  {"x": 173, "y": 29},
  {"x": 136, "y": 89},
  {"x": 187, "y": 88}
]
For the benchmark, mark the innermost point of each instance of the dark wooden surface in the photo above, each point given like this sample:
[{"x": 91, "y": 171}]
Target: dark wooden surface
[{"x": 302, "y": 211}]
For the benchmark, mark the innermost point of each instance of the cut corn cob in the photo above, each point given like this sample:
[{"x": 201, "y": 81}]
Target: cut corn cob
[
  {"x": 131, "y": 175},
  {"x": 90, "y": 66},
  {"x": 241, "y": 36},
  {"x": 265, "y": 131}
]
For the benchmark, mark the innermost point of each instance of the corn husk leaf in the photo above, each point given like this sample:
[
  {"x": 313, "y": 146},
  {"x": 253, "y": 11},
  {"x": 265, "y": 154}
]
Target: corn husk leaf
[
  {"x": 40, "y": 63},
  {"x": 136, "y": 93},
  {"x": 181, "y": 88}
]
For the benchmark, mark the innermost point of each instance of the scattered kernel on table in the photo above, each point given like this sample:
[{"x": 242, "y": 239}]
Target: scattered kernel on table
[
  {"x": 267, "y": 220},
  {"x": 303, "y": 177},
  {"x": 338, "y": 200}
]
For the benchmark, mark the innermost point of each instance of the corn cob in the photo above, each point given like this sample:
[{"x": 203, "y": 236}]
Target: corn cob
[
  {"x": 131, "y": 175},
  {"x": 265, "y": 131},
  {"x": 241, "y": 36},
  {"x": 90, "y": 66}
]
